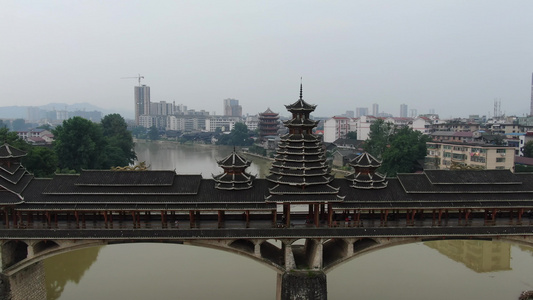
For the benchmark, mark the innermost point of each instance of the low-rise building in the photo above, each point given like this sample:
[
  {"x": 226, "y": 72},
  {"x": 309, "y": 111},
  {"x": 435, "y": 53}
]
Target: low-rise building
[{"x": 442, "y": 155}]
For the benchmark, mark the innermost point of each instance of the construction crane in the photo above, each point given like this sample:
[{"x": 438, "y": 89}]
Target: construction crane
[{"x": 137, "y": 77}]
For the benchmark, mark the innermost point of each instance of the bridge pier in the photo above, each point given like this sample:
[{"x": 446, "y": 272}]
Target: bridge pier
[
  {"x": 302, "y": 285},
  {"x": 26, "y": 284}
]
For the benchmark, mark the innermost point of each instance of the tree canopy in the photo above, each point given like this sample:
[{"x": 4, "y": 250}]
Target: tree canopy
[
  {"x": 399, "y": 148},
  {"x": 120, "y": 148},
  {"x": 378, "y": 138},
  {"x": 528, "y": 149},
  {"x": 239, "y": 136},
  {"x": 80, "y": 144}
]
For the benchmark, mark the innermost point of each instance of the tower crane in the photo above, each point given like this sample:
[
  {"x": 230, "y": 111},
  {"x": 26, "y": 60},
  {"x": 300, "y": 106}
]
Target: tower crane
[{"x": 137, "y": 77}]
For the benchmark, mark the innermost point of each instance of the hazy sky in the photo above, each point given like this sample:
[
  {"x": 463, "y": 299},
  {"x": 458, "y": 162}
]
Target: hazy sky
[{"x": 456, "y": 57}]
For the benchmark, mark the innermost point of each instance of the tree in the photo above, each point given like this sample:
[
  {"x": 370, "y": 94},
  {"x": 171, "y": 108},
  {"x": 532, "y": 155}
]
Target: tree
[
  {"x": 239, "y": 136},
  {"x": 120, "y": 149},
  {"x": 528, "y": 149},
  {"x": 378, "y": 138},
  {"x": 80, "y": 144},
  {"x": 153, "y": 133},
  {"x": 41, "y": 161},
  {"x": 351, "y": 135},
  {"x": 11, "y": 138},
  {"x": 406, "y": 147}
]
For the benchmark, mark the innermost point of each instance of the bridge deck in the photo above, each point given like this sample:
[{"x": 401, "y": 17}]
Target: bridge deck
[{"x": 264, "y": 229}]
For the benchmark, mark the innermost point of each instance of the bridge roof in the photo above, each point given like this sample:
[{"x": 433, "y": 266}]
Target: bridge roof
[
  {"x": 125, "y": 178},
  {"x": 69, "y": 185}
]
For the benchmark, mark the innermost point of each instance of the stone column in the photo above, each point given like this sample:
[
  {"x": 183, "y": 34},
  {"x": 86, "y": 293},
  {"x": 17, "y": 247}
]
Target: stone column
[{"x": 302, "y": 285}]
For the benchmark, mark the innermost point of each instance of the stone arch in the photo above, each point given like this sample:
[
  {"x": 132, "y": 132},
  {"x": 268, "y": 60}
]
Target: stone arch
[
  {"x": 361, "y": 246},
  {"x": 243, "y": 245},
  {"x": 271, "y": 252},
  {"x": 13, "y": 252},
  {"x": 335, "y": 250},
  {"x": 43, "y": 246}
]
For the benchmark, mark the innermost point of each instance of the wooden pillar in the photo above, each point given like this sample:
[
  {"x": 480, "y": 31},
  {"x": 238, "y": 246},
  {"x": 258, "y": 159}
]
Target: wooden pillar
[
  {"x": 520, "y": 212},
  {"x": 191, "y": 218},
  {"x": 274, "y": 217},
  {"x": 287, "y": 214},
  {"x": 247, "y": 214},
  {"x": 163, "y": 218},
  {"x": 330, "y": 214},
  {"x": 316, "y": 219},
  {"x": 440, "y": 215}
]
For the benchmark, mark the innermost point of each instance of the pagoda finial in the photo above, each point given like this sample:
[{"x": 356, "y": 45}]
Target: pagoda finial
[{"x": 301, "y": 89}]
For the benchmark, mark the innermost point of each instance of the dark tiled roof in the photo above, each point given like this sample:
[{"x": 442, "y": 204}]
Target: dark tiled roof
[
  {"x": 471, "y": 177},
  {"x": 300, "y": 105},
  {"x": 17, "y": 187},
  {"x": 125, "y": 178},
  {"x": 11, "y": 168},
  {"x": 68, "y": 184},
  {"x": 419, "y": 183},
  {"x": 8, "y": 151},
  {"x": 234, "y": 161},
  {"x": 13, "y": 177},
  {"x": 365, "y": 160},
  {"x": 8, "y": 198}
]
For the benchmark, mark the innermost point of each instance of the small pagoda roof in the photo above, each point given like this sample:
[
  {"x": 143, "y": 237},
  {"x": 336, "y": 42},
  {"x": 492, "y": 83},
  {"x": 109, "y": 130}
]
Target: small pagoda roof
[
  {"x": 8, "y": 151},
  {"x": 300, "y": 105},
  {"x": 365, "y": 160},
  {"x": 268, "y": 112},
  {"x": 234, "y": 160}
]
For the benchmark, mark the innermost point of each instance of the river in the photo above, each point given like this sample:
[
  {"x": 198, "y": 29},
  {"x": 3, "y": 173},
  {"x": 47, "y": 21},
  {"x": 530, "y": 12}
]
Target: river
[{"x": 434, "y": 270}]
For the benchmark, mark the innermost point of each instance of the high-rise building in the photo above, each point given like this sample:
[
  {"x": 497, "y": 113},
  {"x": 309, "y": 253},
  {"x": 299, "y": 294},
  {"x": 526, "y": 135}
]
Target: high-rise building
[
  {"x": 403, "y": 110},
  {"x": 361, "y": 111},
  {"x": 531, "y": 111},
  {"x": 141, "y": 101},
  {"x": 375, "y": 109},
  {"x": 413, "y": 113},
  {"x": 232, "y": 108}
]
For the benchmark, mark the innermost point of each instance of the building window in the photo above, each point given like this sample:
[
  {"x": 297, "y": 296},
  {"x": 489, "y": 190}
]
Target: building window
[
  {"x": 500, "y": 168},
  {"x": 500, "y": 151},
  {"x": 500, "y": 159}
]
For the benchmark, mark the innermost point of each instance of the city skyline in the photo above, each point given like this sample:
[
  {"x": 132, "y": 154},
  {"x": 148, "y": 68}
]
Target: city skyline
[{"x": 454, "y": 57}]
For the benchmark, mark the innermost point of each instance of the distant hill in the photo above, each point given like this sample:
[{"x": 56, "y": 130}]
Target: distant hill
[{"x": 21, "y": 112}]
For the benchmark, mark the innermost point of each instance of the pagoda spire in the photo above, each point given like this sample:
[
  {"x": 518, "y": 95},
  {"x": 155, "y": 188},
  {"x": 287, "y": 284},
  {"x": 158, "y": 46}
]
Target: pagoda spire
[{"x": 301, "y": 89}]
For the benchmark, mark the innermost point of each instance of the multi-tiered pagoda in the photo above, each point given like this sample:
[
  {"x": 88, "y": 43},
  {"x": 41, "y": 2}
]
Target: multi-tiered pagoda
[
  {"x": 235, "y": 176},
  {"x": 268, "y": 124},
  {"x": 300, "y": 172},
  {"x": 14, "y": 178},
  {"x": 365, "y": 175}
]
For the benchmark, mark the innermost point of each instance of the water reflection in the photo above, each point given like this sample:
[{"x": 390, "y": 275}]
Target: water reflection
[
  {"x": 67, "y": 267},
  {"x": 480, "y": 256}
]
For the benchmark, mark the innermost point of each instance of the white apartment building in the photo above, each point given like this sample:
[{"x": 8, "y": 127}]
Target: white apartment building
[
  {"x": 422, "y": 124},
  {"x": 226, "y": 123},
  {"x": 441, "y": 155},
  {"x": 336, "y": 128}
]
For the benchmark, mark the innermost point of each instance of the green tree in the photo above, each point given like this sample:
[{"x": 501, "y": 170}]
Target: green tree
[
  {"x": 41, "y": 161},
  {"x": 79, "y": 144},
  {"x": 153, "y": 133},
  {"x": 19, "y": 125},
  {"x": 379, "y": 137},
  {"x": 239, "y": 136},
  {"x": 120, "y": 149},
  {"x": 351, "y": 135},
  {"x": 528, "y": 149},
  {"x": 406, "y": 147},
  {"x": 11, "y": 138}
]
